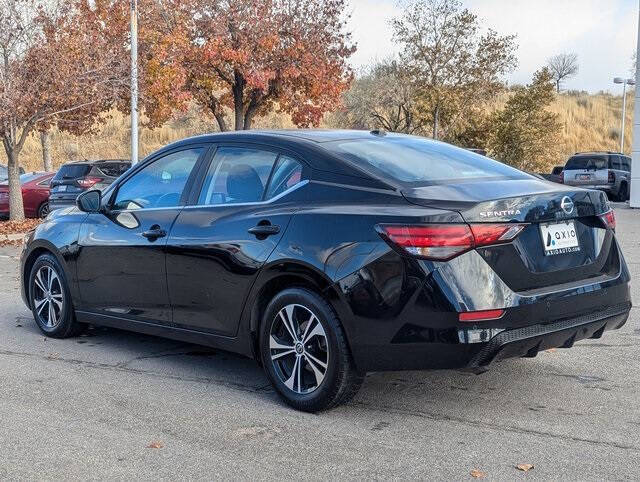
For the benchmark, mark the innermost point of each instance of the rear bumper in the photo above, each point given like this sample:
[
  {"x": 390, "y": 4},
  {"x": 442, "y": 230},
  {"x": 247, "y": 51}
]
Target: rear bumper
[
  {"x": 62, "y": 202},
  {"x": 419, "y": 328},
  {"x": 528, "y": 341}
]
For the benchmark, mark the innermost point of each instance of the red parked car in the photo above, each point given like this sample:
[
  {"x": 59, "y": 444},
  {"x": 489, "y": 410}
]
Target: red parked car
[{"x": 35, "y": 194}]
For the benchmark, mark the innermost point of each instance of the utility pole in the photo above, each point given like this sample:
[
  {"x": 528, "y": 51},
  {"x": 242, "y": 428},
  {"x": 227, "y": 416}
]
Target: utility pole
[
  {"x": 634, "y": 198},
  {"x": 624, "y": 82},
  {"x": 134, "y": 82}
]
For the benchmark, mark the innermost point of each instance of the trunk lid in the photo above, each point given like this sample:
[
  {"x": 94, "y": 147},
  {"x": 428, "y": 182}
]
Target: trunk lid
[
  {"x": 523, "y": 200},
  {"x": 525, "y": 264}
]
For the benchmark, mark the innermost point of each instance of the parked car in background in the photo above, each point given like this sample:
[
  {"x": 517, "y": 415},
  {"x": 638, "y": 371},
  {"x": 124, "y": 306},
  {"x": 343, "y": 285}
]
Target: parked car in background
[
  {"x": 4, "y": 174},
  {"x": 35, "y": 194},
  {"x": 74, "y": 178},
  {"x": 607, "y": 171}
]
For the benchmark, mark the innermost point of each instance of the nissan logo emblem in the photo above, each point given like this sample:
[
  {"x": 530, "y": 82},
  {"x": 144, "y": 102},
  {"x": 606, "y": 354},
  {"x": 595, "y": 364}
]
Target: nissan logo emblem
[{"x": 567, "y": 205}]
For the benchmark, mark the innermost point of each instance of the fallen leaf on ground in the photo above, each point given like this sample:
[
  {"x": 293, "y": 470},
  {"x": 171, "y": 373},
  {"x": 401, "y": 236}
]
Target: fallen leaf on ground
[
  {"x": 478, "y": 474},
  {"x": 155, "y": 445},
  {"x": 18, "y": 227},
  {"x": 524, "y": 467},
  {"x": 551, "y": 350}
]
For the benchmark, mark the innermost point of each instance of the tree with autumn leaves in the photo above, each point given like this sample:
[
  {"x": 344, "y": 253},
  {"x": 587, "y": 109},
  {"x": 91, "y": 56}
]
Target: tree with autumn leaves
[
  {"x": 243, "y": 59},
  {"x": 65, "y": 64},
  {"x": 57, "y": 68}
]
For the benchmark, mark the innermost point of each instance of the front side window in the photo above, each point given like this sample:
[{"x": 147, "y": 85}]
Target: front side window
[
  {"x": 237, "y": 175},
  {"x": 160, "y": 184}
]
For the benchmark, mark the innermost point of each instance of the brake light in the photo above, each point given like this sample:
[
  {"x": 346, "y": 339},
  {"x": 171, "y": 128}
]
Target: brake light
[
  {"x": 88, "y": 181},
  {"x": 612, "y": 177},
  {"x": 445, "y": 241},
  {"x": 484, "y": 315},
  {"x": 609, "y": 219},
  {"x": 561, "y": 180}
]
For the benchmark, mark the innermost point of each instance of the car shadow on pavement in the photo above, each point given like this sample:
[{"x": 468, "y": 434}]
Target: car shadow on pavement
[{"x": 110, "y": 348}]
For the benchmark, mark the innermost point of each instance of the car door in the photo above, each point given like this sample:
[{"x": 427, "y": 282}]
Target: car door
[
  {"x": 121, "y": 255},
  {"x": 218, "y": 245}
]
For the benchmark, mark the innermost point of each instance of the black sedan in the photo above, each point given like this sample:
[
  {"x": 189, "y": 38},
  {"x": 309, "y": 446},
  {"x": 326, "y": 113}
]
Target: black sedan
[{"x": 327, "y": 254}]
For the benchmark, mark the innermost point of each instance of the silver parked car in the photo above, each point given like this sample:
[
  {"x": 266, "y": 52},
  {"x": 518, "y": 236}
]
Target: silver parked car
[{"x": 606, "y": 171}]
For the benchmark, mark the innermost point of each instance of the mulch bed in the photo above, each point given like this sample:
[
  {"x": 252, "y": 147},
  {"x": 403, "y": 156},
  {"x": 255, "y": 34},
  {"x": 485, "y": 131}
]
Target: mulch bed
[{"x": 15, "y": 227}]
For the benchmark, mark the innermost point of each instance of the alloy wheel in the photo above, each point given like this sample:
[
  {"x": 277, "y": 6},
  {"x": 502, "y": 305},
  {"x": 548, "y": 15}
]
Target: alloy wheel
[
  {"x": 299, "y": 349},
  {"x": 48, "y": 297}
]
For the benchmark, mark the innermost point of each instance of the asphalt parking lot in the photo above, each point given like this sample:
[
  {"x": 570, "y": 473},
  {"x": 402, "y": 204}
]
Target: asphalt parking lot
[{"x": 116, "y": 405}]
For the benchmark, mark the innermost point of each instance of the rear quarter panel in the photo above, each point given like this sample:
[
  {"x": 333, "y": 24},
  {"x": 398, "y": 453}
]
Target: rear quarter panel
[{"x": 335, "y": 245}]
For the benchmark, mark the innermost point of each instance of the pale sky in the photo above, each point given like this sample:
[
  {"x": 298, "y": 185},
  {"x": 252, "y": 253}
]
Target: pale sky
[{"x": 602, "y": 32}]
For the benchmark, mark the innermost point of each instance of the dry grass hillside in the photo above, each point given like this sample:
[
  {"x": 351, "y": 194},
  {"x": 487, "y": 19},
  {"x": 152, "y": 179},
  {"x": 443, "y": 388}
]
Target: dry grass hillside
[{"x": 591, "y": 122}]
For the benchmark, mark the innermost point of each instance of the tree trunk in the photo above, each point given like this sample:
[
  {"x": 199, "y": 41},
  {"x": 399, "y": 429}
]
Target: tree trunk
[
  {"x": 558, "y": 86},
  {"x": 436, "y": 115},
  {"x": 16, "y": 206},
  {"x": 222, "y": 123},
  {"x": 46, "y": 151},
  {"x": 238, "y": 98}
]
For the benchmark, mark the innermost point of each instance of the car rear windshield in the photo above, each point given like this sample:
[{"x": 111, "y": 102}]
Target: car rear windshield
[
  {"x": 72, "y": 171},
  {"x": 25, "y": 178},
  {"x": 416, "y": 160},
  {"x": 586, "y": 162}
]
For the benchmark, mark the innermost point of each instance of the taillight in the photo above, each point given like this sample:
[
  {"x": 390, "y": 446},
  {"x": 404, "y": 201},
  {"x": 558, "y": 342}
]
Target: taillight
[
  {"x": 445, "y": 241},
  {"x": 609, "y": 219},
  {"x": 561, "y": 177},
  {"x": 612, "y": 177},
  {"x": 483, "y": 315},
  {"x": 88, "y": 181}
]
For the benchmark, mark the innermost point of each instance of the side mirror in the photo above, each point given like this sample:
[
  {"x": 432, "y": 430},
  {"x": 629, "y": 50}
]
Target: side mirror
[{"x": 89, "y": 201}]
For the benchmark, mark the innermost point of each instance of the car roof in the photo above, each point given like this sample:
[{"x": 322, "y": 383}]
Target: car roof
[
  {"x": 591, "y": 153},
  {"x": 94, "y": 161},
  {"x": 307, "y": 143}
]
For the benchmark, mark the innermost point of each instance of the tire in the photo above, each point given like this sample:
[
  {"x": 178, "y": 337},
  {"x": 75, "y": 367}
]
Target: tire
[
  {"x": 43, "y": 210},
  {"x": 48, "y": 290},
  {"x": 623, "y": 193},
  {"x": 328, "y": 376}
]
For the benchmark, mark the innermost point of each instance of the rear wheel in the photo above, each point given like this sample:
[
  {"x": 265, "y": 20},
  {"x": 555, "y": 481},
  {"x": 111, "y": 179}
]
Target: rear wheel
[
  {"x": 50, "y": 299},
  {"x": 305, "y": 352},
  {"x": 623, "y": 192},
  {"x": 43, "y": 210}
]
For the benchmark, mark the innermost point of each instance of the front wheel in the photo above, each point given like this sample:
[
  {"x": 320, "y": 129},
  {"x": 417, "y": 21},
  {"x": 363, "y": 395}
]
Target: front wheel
[
  {"x": 50, "y": 299},
  {"x": 305, "y": 352}
]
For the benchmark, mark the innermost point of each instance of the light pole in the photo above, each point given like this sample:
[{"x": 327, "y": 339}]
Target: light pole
[
  {"x": 624, "y": 82},
  {"x": 134, "y": 81},
  {"x": 634, "y": 200}
]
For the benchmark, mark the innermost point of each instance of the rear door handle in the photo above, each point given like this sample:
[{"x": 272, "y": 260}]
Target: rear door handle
[
  {"x": 264, "y": 230},
  {"x": 154, "y": 233}
]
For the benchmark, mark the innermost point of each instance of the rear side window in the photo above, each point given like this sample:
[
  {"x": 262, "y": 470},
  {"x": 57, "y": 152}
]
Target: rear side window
[
  {"x": 586, "y": 162},
  {"x": 72, "y": 171},
  {"x": 626, "y": 163},
  {"x": 420, "y": 161},
  {"x": 237, "y": 175},
  {"x": 287, "y": 173},
  {"x": 614, "y": 162},
  {"x": 114, "y": 169}
]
